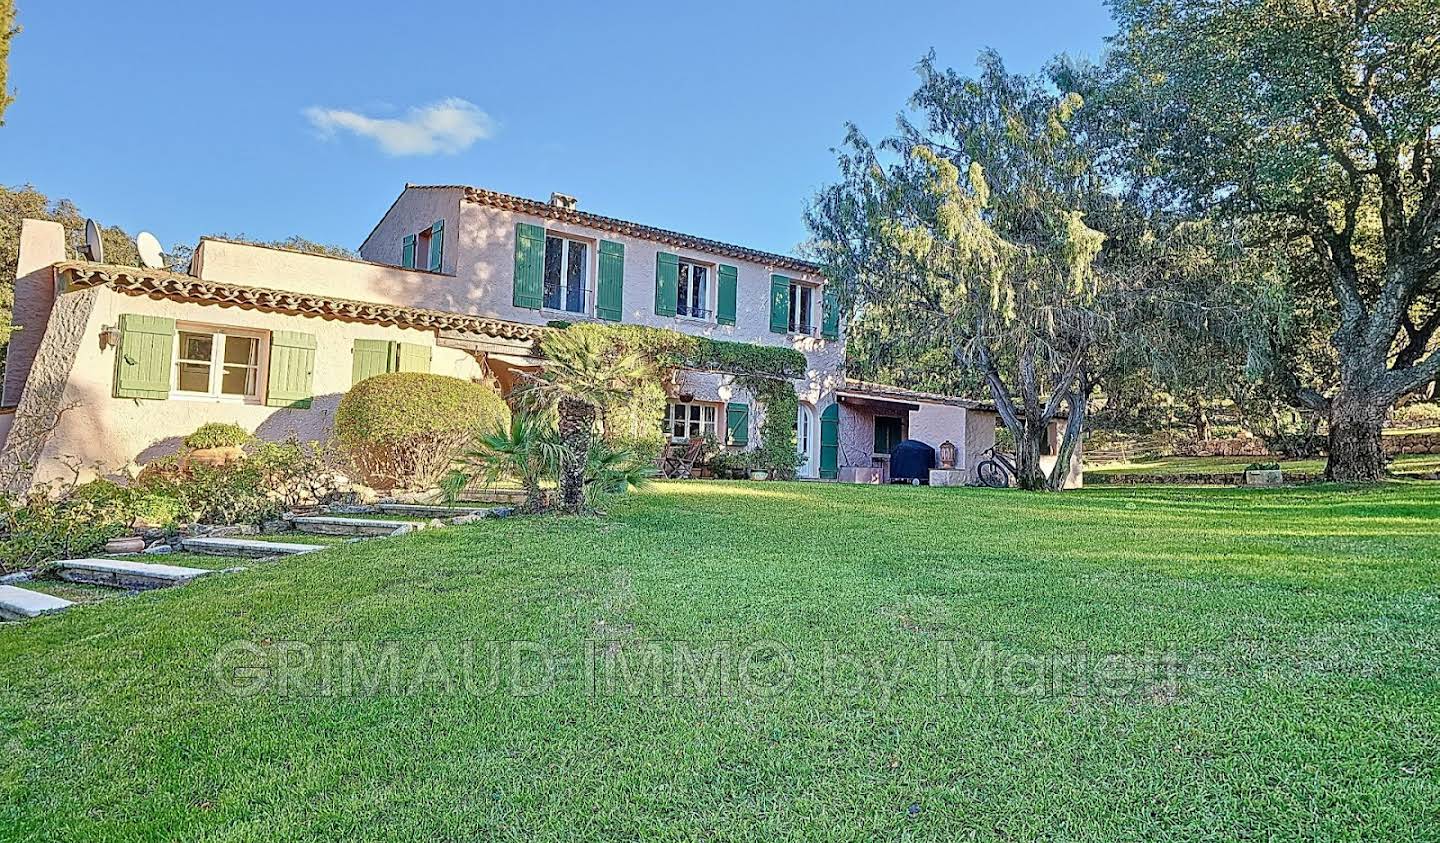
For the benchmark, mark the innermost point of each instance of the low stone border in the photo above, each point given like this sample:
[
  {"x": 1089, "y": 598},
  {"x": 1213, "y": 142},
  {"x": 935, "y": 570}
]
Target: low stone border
[{"x": 1228, "y": 478}]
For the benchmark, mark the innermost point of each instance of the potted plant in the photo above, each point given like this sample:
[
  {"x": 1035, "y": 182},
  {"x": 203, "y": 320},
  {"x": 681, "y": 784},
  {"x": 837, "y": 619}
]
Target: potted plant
[
  {"x": 1264, "y": 474},
  {"x": 216, "y": 443},
  {"x": 732, "y": 465}
]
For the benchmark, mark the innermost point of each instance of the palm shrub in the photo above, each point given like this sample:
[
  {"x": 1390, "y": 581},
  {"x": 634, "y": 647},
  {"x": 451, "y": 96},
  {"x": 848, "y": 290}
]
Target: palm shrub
[
  {"x": 405, "y": 429},
  {"x": 582, "y": 374},
  {"x": 528, "y": 449},
  {"x": 613, "y": 471}
]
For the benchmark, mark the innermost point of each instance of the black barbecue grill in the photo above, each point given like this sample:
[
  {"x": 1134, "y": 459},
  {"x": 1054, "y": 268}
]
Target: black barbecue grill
[{"x": 911, "y": 461}]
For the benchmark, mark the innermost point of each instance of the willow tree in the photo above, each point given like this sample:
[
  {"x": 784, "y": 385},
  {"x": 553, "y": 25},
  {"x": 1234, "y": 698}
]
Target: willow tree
[
  {"x": 1321, "y": 119},
  {"x": 966, "y": 231}
]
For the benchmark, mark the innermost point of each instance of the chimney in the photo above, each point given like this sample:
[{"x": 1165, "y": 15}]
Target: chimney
[{"x": 563, "y": 201}]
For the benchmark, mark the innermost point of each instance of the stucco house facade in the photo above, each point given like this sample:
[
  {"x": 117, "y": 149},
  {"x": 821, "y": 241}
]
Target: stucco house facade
[{"x": 112, "y": 366}]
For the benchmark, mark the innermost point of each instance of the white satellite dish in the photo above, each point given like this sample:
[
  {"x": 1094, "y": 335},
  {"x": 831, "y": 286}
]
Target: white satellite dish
[
  {"x": 149, "y": 248},
  {"x": 94, "y": 247}
]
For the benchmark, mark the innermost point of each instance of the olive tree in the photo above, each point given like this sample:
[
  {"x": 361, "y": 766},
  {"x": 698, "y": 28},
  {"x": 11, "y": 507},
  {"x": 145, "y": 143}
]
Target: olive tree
[{"x": 1319, "y": 119}]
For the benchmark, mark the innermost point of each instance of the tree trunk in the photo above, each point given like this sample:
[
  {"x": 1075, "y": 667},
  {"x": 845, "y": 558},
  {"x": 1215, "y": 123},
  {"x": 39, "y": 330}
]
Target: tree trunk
[
  {"x": 1028, "y": 448},
  {"x": 576, "y": 427},
  {"x": 1357, "y": 454}
]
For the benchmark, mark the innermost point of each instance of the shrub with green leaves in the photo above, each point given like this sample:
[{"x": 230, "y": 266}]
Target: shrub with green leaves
[
  {"x": 218, "y": 435},
  {"x": 64, "y": 522},
  {"x": 403, "y": 430}
]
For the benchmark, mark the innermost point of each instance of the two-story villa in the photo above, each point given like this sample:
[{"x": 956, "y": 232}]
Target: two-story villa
[{"x": 112, "y": 366}]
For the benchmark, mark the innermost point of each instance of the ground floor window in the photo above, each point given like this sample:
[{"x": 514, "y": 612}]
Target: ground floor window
[
  {"x": 217, "y": 362},
  {"x": 804, "y": 430},
  {"x": 889, "y": 430},
  {"x": 689, "y": 421}
]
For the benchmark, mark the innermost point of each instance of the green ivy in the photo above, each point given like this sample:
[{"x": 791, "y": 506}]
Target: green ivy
[
  {"x": 778, "y": 452},
  {"x": 673, "y": 350},
  {"x": 764, "y": 371}
]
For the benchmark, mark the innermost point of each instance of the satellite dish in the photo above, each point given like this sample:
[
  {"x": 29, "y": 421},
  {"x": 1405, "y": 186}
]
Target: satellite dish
[
  {"x": 94, "y": 247},
  {"x": 149, "y": 248}
]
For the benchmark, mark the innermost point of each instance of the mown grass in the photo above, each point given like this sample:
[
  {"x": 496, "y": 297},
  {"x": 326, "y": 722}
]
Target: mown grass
[
  {"x": 1405, "y": 463},
  {"x": 1305, "y": 624}
]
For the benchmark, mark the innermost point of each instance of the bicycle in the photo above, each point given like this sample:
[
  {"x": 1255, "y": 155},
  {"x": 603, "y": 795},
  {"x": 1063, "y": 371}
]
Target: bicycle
[{"x": 996, "y": 471}]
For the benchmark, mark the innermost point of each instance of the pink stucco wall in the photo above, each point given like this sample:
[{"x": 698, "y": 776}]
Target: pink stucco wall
[
  {"x": 484, "y": 270},
  {"x": 99, "y": 428},
  {"x": 42, "y": 243}
]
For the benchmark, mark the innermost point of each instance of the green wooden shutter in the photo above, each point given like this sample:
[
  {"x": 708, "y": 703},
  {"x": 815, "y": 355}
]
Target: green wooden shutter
[
  {"x": 437, "y": 245},
  {"x": 407, "y": 252},
  {"x": 725, "y": 304},
  {"x": 667, "y": 282},
  {"x": 409, "y": 357},
  {"x": 292, "y": 370},
  {"x": 830, "y": 319},
  {"x": 142, "y": 362},
  {"x": 529, "y": 288},
  {"x": 610, "y": 292},
  {"x": 830, "y": 442},
  {"x": 779, "y": 304},
  {"x": 369, "y": 358},
  {"x": 737, "y": 424}
]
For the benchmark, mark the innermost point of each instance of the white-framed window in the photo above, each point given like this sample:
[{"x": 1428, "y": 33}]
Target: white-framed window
[
  {"x": 567, "y": 273},
  {"x": 213, "y": 362},
  {"x": 690, "y": 421},
  {"x": 802, "y": 308},
  {"x": 692, "y": 293}
]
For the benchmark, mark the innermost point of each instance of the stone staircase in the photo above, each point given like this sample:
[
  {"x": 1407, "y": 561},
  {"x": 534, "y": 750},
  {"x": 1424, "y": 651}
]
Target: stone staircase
[{"x": 129, "y": 574}]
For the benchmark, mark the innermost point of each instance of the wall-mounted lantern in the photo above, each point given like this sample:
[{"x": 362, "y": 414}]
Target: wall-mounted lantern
[{"x": 948, "y": 455}]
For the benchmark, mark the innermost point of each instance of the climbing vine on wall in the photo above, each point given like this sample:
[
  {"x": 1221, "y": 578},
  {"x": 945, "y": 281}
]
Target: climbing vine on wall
[
  {"x": 778, "y": 452},
  {"x": 763, "y": 371}
]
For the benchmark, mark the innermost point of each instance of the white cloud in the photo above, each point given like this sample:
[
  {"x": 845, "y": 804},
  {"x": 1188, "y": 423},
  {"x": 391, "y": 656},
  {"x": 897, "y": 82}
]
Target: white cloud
[{"x": 449, "y": 126}]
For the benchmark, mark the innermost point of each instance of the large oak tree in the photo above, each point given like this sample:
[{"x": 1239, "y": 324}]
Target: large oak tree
[{"x": 1319, "y": 119}]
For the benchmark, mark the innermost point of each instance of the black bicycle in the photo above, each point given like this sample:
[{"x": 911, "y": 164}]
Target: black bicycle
[{"x": 996, "y": 470}]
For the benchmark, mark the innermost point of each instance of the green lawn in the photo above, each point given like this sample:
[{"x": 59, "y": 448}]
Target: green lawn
[
  {"x": 1015, "y": 682},
  {"x": 1404, "y": 463}
]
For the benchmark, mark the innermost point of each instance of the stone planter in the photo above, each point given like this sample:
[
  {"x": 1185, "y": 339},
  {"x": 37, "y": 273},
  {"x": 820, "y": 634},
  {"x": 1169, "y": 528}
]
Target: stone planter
[
  {"x": 215, "y": 456},
  {"x": 1265, "y": 477},
  {"x": 126, "y": 544},
  {"x": 759, "y": 474}
]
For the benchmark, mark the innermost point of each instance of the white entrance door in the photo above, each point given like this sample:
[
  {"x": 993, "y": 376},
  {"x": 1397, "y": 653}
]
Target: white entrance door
[{"x": 805, "y": 441}]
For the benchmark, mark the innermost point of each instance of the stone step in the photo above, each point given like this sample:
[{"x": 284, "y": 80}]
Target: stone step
[
  {"x": 123, "y": 573},
  {"x": 510, "y": 496},
  {"x": 17, "y": 604},
  {"x": 422, "y": 510},
  {"x": 336, "y": 525},
  {"x": 250, "y": 548}
]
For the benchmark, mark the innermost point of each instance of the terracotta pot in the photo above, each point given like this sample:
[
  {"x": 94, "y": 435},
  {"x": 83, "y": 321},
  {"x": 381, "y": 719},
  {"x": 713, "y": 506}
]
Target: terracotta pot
[
  {"x": 126, "y": 544},
  {"x": 215, "y": 456}
]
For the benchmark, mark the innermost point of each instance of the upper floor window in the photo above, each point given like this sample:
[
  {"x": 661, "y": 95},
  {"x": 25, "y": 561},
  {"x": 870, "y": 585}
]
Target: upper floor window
[
  {"x": 692, "y": 293},
  {"x": 424, "y": 249},
  {"x": 802, "y": 308},
  {"x": 567, "y": 269},
  {"x": 217, "y": 362}
]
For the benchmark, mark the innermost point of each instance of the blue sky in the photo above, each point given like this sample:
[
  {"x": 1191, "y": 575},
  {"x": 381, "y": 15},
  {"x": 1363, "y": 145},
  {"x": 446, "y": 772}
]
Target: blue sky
[{"x": 278, "y": 118}]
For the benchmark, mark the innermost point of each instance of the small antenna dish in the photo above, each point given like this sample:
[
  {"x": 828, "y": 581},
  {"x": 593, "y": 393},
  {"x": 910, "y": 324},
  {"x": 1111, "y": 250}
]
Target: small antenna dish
[
  {"x": 149, "y": 248},
  {"x": 94, "y": 247}
]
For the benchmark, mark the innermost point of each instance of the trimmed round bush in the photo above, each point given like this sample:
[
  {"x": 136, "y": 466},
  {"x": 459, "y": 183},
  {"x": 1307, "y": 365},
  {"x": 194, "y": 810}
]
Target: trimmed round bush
[
  {"x": 218, "y": 435},
  {"x": 403, "y": 430}
]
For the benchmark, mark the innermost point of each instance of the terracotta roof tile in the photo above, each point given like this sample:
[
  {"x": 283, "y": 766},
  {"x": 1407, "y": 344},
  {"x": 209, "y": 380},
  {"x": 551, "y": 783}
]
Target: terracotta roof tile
[
  {"x": 80, "y": 275},
  {"x": 545, "y": 210}
]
